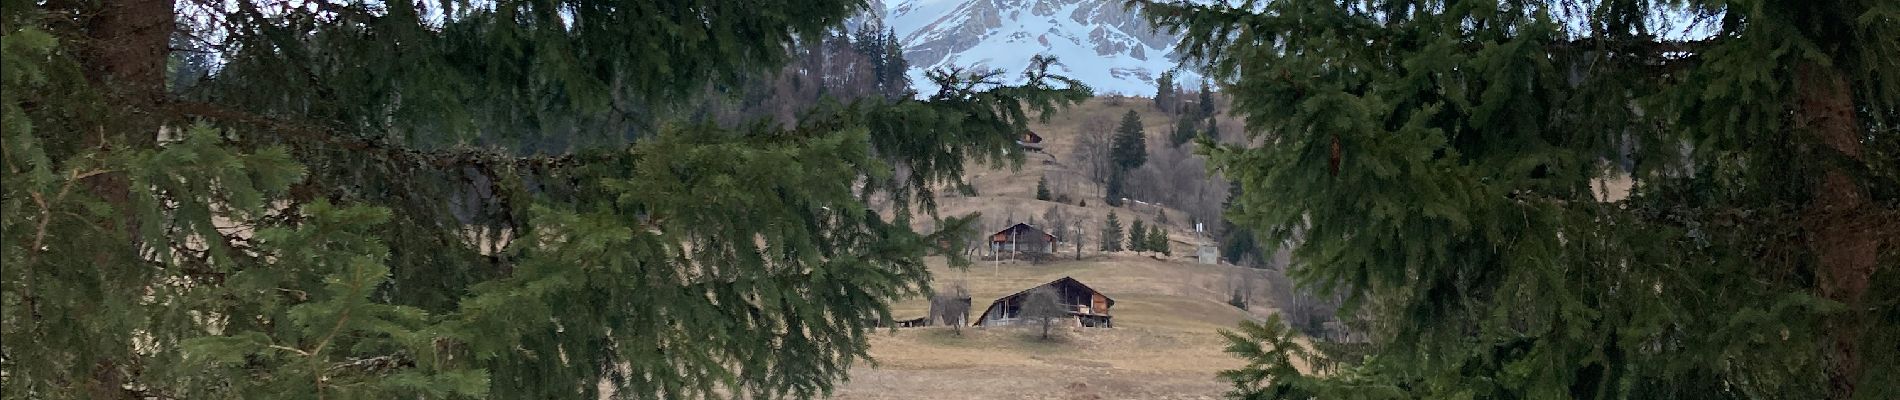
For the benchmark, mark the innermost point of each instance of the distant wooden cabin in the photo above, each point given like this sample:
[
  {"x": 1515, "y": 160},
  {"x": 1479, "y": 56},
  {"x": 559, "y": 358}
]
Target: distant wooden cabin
[
  {"x": 1090, "y": 307},
  {"x": 1030, "y": 141},
  {"x": 1022, "y": 239}
]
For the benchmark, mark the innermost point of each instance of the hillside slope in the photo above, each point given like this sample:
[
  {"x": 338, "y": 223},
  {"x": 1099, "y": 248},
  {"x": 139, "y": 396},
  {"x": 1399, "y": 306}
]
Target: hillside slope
[
  {"x": 1164, "y": 344},
  {"x": 1168, "y": 311},
  {"x": 1007, "y": 195}
]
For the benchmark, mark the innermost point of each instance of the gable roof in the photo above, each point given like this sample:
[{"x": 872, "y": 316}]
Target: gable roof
[
  {"x": 1111, "y": 301},
  {"x": 1024, "y": 226},
  {"x": 986, "y": 310}
]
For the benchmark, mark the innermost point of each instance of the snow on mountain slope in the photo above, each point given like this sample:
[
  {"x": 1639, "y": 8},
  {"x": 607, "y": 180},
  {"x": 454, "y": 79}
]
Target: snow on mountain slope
[{"x": 1097, "y": 41}]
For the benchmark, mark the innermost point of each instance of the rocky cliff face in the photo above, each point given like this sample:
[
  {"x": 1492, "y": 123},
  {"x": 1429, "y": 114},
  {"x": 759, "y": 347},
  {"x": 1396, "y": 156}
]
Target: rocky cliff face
[{"x": 1110, "y": 48}]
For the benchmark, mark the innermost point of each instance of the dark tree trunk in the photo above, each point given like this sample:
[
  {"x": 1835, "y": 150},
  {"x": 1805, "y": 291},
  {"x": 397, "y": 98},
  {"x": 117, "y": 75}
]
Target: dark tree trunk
[
  {"x": 1845, "y": 248},
  {"x": 129, "y": 41},
  {"x": 123, "y": 57}
]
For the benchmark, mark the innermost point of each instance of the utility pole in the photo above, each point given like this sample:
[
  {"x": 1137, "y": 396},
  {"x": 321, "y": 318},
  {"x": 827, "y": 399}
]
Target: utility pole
[{"x": 1078, "y": 241}]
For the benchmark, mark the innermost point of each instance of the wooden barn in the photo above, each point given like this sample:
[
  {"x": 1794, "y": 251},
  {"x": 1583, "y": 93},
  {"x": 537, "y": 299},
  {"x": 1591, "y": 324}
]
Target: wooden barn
[
  {"x": 1022, "y": 238},
  {"x": 1090, "y": 307}
]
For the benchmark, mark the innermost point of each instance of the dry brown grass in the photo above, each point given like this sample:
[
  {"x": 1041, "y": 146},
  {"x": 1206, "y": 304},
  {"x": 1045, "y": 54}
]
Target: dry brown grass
[
  {"x": 1004, "y": 191},
  {"x": 1165, "y": 344},
  {"x": 1168, "y": 312}
]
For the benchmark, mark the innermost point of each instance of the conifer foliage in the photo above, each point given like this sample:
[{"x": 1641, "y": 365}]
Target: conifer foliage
[
  {"x": 1185, "y": 130},
  {"x": 1207, "y": 101},
  {"x": 1129, "y": 148},
  {"x": 1112, "y": 233},
  {"x": 1157, "y": 240},
  {"x": 1138, "y": 236},
  {"x": 1167, "y": 96},
  {"x": 455, "y": 199},
  {"x": 880, "y": 47},
  {"x": 1116, "y": 188},
  {"x": 1442, "y": 164}
]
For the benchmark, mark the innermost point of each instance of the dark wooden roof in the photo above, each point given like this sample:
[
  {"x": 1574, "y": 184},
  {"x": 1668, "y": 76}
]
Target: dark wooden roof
[
  {"x": 1030, "y": 138},
  {"x": 1019, "y": 227},
  {"x": 986, "y": 310}
]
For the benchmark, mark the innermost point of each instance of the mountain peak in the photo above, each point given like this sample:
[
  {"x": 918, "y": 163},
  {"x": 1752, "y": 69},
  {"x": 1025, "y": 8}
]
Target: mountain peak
[{"x": 1098, "y": 42}]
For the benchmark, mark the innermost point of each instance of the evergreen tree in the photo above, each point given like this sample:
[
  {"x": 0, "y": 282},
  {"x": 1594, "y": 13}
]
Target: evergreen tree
[
  {"x": 1213, "y": 130},
  {"x": 1165, "y": 97},
  {"x": 1438, "y": 160},
  {"x": 1158, "y": 240},
  {"x": 1185, "y": 130},
  {"x": 1129, "y": 148},
  {"x": 1137, "y": 236},
  {"x": 1042, "y": 189},
  {"x": 1237, "y": 242},
  {"x": 1114, "y": 190},
  {"x": 1112, "y": 233},
  {"x": 1207, "y": 101},
  {"x": 868, "y": 41},
  {"x": 895, "y": 77},
  {"x": 455, "y": 199}
]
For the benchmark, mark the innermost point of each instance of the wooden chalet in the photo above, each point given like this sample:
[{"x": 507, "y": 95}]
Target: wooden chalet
[
  {"x": 1022, "y": 238},
  {"x": 1090, "y": 307}
]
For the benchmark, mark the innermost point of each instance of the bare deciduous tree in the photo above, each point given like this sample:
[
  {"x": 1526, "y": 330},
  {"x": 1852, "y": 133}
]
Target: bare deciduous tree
[
  {"x": 1056, "y": 222},
  {"x": 1043, "y": 306},
  {"x": 1240, "y": 287},
  {"x": 1092, "y": 147},
  {"x": 1179, "y": 179},
  {"x": 951, "y": 307}
]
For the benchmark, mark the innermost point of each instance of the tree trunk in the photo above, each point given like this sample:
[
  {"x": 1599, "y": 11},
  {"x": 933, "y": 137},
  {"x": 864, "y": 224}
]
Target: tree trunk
[
  {"x": 129, "y": 41},
  {"x": 124, "y": 59},
  {"x": 1845, "y": 249}
]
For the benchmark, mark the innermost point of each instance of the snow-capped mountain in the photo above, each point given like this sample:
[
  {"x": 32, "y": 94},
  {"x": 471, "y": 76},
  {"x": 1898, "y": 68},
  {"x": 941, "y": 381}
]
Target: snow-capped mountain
[{"x": 1097, "y": 41}]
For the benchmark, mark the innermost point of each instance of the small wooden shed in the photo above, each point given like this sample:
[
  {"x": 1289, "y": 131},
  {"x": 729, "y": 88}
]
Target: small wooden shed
[
  {"x": 1030, "y": 141},
  {"x": 1090, "y": 307}
]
